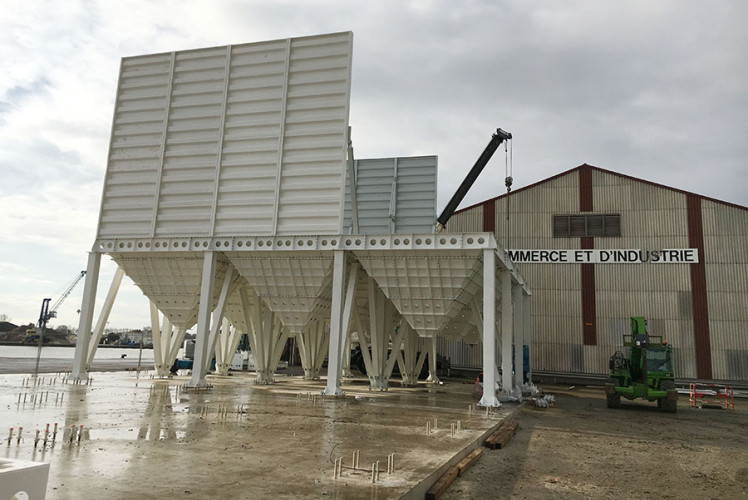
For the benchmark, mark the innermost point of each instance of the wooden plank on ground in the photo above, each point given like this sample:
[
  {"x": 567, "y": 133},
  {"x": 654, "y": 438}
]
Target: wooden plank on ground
[
  {"x": 442, "y": 484},
  {"x": 469, "y": 460},
  {"x": 501, "y": 437}
]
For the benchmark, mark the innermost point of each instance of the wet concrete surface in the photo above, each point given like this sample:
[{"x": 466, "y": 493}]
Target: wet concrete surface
[
  {"x": 145, "y": 437},
  {"x": 55, "y": 365}
]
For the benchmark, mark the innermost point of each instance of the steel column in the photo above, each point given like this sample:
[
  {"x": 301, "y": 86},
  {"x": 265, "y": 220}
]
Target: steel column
[
  {"x": 106, "y": 309},
  {"x": 519, "y": 333},
  {"x": 527, "y": 337},
  {"x": 408, "y": 359},
  {"x": 313, "y": 343},
  {"x": 265, "y": 343},
  {"x": 347, "y": 356},
  {"x": 80, "y": 369},
  {"x": 158, "y": 359},
  {"x": 222, "y": 338},
  {"x": 381, "y": 314},
  {"x": 324, "y": 338},
  {"x": 397, "y": 341},
  {"x": 218, "y": 314},
  {"x": 507, "y": 317},
  {"x": 176, "y": 343},
  {"x": 489, "y": 329},
  {"x": 202, "y": 347},
  {"x": 336, "y": 327},
  {"x": 228, "y": 341},
  {"x": 433, "y": 377},
  {"x": 349, "y": 304},
  {"x": 166, "y": 342},
  {"x": 362, "y": 342},
  {"x": 266, "y": 337},
  {"x": 167, "y": 327}
]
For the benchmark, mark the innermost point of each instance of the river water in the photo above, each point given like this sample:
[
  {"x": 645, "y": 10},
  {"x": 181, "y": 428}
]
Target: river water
[{"x": 58, "y": 352}]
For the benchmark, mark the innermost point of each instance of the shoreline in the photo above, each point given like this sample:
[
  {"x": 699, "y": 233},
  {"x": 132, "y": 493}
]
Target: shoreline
[{"x": 105, "y": 346}]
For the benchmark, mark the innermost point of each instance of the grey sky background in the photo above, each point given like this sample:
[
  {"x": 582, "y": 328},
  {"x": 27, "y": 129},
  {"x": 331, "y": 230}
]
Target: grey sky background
[{"x": 657, "y": 90}]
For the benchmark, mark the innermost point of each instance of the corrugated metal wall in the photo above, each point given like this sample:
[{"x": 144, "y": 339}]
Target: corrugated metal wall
[
  {"x": 652, "y": 218},
  {"x": 726, "y": 248}
]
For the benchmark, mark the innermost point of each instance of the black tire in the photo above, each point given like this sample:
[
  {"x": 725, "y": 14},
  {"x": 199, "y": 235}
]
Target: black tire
[
  {"x": 667, "y": 404},
  {"x": 614, "y": 399}
]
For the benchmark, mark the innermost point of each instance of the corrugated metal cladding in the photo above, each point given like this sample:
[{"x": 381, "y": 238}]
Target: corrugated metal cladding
[
  {"x": 394, "y": 195},
  {"x": 725, "y": 236},
  {"x": 230, "y": 141},
  {"x": 653, "y": 217}
]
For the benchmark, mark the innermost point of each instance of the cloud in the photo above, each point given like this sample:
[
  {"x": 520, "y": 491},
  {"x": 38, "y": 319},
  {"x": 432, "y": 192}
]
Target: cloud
[{"x": 650, "y": 89}]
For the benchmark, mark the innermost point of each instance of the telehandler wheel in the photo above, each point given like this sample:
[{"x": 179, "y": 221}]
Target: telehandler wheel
[
  {"x": 668, "y": 405},
  {"x": 614, "y": 399}
]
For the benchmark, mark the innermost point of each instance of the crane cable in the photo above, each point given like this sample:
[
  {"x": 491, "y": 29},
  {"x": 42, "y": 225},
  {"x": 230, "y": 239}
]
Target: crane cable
[{"x": 508, "y": 180}]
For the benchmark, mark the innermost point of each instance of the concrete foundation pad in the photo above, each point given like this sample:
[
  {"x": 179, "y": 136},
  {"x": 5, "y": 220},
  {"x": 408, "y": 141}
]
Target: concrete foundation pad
[{"x": 146, "y": 438}]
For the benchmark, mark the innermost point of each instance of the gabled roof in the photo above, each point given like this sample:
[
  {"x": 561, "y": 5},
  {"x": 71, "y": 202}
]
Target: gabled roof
[{"x": 592, "y": 167}]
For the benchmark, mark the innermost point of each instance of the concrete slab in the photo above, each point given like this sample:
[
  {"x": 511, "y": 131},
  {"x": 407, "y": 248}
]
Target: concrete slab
[{"x": 148, "y": 438}]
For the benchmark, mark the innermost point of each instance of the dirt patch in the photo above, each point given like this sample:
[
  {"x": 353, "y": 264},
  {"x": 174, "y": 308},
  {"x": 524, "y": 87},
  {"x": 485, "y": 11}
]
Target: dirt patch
[{"x": 582, "y": 449}]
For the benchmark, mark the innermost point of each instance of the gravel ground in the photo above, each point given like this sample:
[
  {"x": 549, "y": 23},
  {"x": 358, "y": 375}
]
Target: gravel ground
[{"x": 582, "y": 449}]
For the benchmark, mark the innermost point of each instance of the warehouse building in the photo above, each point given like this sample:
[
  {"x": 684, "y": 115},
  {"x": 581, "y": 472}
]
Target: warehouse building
[{"x": 599, "y": 247}]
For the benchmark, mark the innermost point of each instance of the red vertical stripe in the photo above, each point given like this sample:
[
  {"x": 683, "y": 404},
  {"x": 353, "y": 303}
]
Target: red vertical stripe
[
  {"x": 489, "y": 216},
  {"x": 702, "y": 342},
  {"x": 589, "y": 313},
  {"x": 589, "y": 323},
  {"x": 585, "y": 188}
]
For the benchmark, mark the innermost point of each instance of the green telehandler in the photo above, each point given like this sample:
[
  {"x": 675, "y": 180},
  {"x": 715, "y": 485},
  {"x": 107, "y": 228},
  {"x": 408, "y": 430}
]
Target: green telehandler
[{"x": 647, "y": 373}]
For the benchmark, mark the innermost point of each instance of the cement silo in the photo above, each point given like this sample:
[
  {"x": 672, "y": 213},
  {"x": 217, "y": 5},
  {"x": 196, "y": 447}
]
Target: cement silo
[{"x": 231, "y": 193}]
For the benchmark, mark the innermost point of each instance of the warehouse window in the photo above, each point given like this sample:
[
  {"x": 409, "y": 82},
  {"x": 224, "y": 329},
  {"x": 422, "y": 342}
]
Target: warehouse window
[{"x": 574, "y": 226}]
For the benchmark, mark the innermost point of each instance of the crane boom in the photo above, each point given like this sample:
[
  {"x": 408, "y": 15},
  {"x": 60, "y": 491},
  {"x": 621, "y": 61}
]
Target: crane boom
[
  {"x": 496, "y": 140},
  {"x": 53, "y": 310}
]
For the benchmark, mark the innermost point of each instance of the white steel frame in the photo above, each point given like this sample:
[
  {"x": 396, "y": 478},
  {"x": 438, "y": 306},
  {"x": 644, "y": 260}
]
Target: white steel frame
[{"x": 267, "y": 334}]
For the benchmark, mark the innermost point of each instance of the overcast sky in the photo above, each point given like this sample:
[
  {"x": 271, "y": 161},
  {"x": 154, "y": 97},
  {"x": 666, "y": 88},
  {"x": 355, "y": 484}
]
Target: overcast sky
[{"x": 653, "y": 89}]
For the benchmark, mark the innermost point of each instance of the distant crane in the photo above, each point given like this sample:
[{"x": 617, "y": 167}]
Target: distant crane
[
  {"x": 52, "y": 313},
  {"x": 48, "y": 312}
]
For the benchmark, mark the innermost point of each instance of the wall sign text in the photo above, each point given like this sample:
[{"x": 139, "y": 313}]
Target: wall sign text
[{"x": 599, "y": 256}]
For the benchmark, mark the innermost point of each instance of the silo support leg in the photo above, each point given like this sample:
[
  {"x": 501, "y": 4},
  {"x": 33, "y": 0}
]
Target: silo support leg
[
  {"x": 336, "y": 327},
  {"x": 106, "y": 309},
  {"x": 80, "y": 370},
  {"x": 507, "y": 328},
  {"x": 199, "y": 365},
  {"x": 519, "y": 328},
  {"x": 489, "y": 330},
  {"x": 433, "y": 377}
]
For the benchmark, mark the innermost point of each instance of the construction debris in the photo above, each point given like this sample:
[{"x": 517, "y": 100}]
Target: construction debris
[{"x": 545, "y": 401}]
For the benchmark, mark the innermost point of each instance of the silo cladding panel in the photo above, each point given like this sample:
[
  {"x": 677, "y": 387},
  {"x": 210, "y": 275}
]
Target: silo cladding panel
[
  {"x": 394, "y": 195},
  {"x": 230, "y": 141}
]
